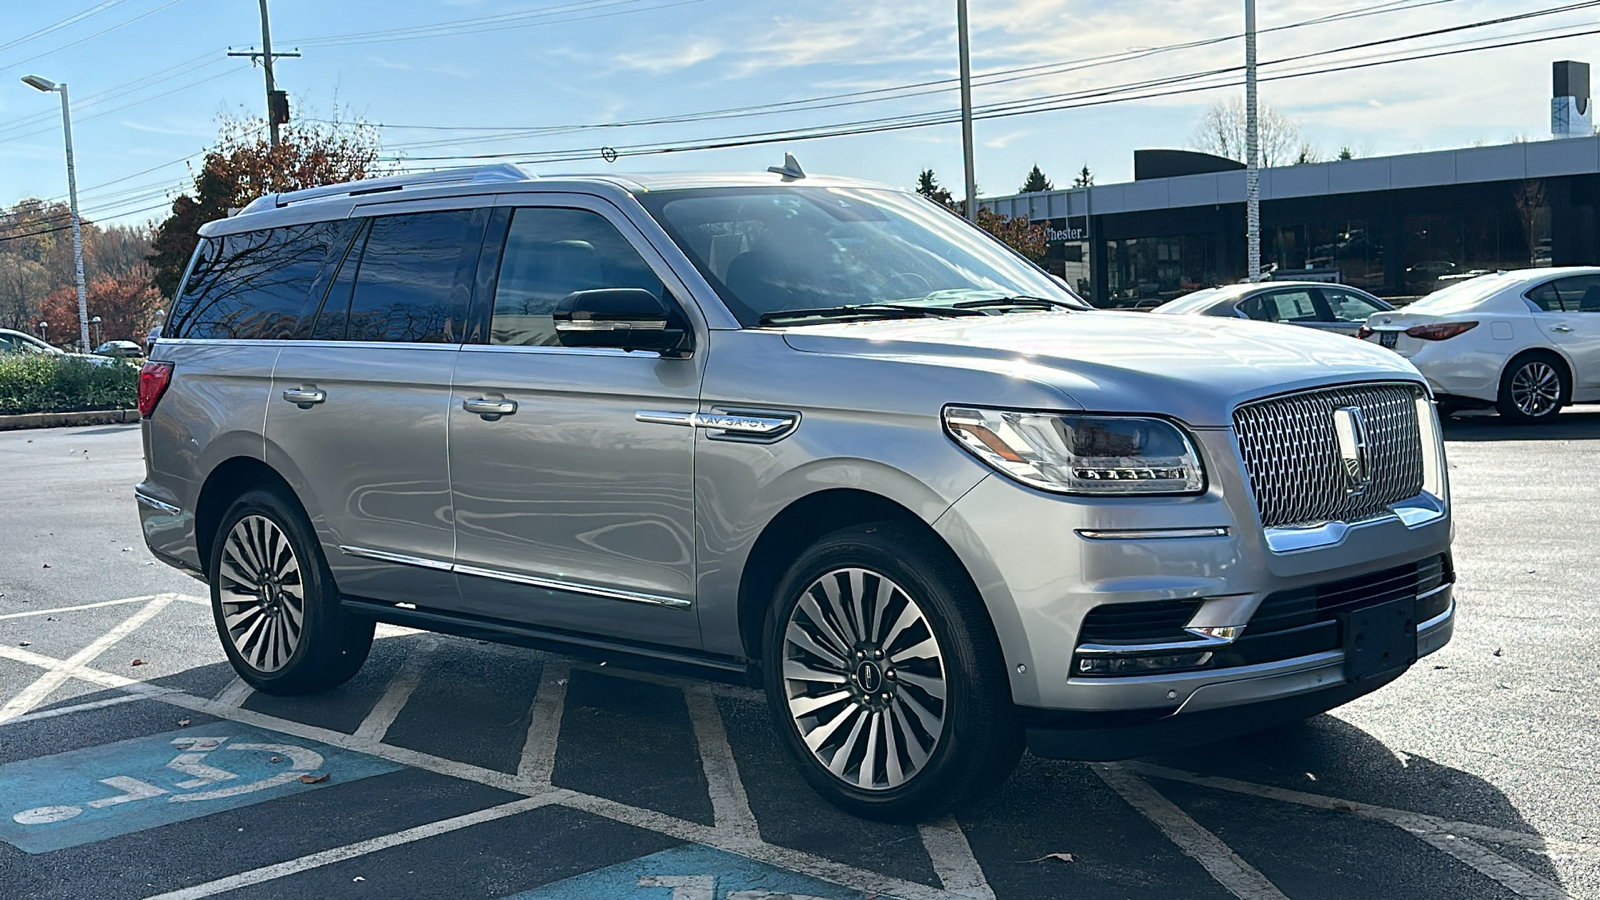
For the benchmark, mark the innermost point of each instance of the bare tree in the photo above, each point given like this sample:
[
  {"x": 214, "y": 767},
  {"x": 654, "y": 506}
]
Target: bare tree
[{"x": 1222, "y": 133}]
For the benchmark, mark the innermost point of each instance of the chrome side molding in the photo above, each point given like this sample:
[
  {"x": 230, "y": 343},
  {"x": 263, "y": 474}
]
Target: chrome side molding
[
  {"x": 155, "y": 504},
  {"x": 1150, "y": 534},
  {"x": 553, "y": 584}
]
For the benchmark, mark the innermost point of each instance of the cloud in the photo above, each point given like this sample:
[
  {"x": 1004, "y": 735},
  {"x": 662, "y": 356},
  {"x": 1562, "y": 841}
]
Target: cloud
[
  {"x": 430, "y": 68},
  {"x": 682, "y": 57}
]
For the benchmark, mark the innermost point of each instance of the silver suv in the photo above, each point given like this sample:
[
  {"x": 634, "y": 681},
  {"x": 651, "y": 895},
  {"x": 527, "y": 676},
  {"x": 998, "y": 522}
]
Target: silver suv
[{"x": 811, "y": 432}]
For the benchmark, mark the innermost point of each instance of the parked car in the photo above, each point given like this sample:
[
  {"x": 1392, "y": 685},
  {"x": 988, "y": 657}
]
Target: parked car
[
  {"x": 810, "y": 432},
  {"x": 1328, "y": 307},
  {"x": 119, "y": 350},
  {"x": 1526, "y": 342},
  {"x": 19, "y": 342}
]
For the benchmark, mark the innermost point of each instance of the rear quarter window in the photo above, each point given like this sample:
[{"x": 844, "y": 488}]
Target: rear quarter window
[{"x": 256, "y": 285}]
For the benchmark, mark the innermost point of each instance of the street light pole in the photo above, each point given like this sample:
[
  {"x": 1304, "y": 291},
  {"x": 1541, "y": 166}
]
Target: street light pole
[
  {"x": 1252, "y": 145},
  {"x": 966, "y": 111},
  {"x": 46, "y": 85}
]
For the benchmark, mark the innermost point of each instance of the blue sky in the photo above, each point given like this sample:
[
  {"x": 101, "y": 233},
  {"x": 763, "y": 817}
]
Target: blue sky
[{"x": 585, "y": 62}]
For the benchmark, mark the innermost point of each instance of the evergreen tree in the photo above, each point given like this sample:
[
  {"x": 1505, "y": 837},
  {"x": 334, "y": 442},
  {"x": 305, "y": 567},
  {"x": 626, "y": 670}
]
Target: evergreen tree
[
  {"x": 1036, "y": 182},
  {"x": 928, "y": 186},
  {"x": 1085, "y": 177}
]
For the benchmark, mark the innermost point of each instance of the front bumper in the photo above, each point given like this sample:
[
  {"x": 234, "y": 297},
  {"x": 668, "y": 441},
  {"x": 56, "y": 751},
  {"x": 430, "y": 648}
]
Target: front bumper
[
  {"x": 1251, "y": 698},
  {"x": 1041, "y": 564}
]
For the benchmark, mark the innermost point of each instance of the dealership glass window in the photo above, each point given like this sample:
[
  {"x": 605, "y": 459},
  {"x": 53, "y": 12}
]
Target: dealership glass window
[
  {"x": 1160, "y": 268},
  {"x": 1442, "y": 248},
  {"x": 1347, "y": 248}
]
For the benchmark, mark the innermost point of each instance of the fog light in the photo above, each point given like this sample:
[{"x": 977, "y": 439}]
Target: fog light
[{"x": 1141, "y": 665}]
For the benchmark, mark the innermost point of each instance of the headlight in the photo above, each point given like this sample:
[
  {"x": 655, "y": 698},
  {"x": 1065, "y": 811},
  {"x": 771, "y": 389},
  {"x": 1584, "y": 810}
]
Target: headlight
[{"x": 1080, "y": 454}]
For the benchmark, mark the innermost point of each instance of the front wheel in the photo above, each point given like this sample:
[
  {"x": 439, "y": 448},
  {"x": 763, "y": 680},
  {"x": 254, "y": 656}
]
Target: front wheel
[
  {"x": 884, "y": 676},
  {"x": 275, "y": 604},
  {"x": 1533, "y": 390}
]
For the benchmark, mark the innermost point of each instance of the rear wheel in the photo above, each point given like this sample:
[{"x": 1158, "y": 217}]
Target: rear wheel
[
  {"x": 884, "y": 676},
  {"x": 1533, "y": 389},
  {"x": 274, "y": 602}
]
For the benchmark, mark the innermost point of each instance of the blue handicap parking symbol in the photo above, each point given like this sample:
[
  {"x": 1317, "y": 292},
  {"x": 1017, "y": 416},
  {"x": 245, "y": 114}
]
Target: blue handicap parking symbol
[
  {"x": 88, "y": 795},
  {"x": 693, "y": 872}
]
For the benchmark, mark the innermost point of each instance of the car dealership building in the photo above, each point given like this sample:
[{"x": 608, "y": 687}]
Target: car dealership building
[{"x": 1398, "y": 226}]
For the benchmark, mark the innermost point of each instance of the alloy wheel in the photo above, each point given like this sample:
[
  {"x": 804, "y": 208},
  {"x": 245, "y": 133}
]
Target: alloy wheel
[
  {"x": 1536, "y": 389},
  {"x": 864, "y": 679},
  {"x": 262, "y": 592}
]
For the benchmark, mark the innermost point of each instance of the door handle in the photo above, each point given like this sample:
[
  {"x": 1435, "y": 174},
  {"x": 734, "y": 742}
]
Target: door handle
[
  {"x": 1562, "y": 329},
  {"x": 305, "y": 398},
  {"x": 489, "y": 409}
]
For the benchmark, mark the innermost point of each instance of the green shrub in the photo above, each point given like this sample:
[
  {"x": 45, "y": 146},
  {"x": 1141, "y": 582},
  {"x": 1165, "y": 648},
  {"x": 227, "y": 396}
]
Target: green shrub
[{"x": 30, "y": 384}]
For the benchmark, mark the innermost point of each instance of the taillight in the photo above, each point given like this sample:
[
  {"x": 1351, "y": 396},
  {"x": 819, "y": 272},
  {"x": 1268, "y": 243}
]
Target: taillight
[
  {"x": 1363, "y": 332},
  {"x": 1441, "y": 331},
  {"x": 153, "y": 380}
]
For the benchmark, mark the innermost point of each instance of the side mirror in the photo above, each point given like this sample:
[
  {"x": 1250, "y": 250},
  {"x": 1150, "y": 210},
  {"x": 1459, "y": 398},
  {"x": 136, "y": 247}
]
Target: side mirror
[{"x": 622, "y": 318}]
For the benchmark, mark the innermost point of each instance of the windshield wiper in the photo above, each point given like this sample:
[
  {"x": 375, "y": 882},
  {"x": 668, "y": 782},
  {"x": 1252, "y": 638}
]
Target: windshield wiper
[
  {"x": 1020, "y": 301},
  {"x": 865, "y": 310}
]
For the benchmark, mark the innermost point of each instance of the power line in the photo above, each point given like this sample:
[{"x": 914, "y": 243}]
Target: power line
[
  {"x": 64, "y": 23},
  {"x": 947, "y": 117},
  {"x": 168, "y": 4}
]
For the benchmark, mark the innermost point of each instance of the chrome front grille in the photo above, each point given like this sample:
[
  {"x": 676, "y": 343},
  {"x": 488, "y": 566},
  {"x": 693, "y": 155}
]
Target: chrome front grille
[{"x": 1297, "y": 469}]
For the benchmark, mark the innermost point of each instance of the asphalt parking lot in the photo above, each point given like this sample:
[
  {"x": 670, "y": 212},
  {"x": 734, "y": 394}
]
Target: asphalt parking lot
[{"x": 133, "y": 764}]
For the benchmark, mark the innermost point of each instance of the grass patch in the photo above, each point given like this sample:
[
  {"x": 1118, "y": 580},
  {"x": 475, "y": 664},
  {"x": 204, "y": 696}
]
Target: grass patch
[{"x": 32, "y": 384}]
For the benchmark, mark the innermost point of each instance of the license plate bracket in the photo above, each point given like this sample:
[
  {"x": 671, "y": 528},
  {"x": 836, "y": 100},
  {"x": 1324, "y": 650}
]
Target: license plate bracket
[
  {"x": 1380, "y": 639},
  {"x": 1389, "y": 338}
]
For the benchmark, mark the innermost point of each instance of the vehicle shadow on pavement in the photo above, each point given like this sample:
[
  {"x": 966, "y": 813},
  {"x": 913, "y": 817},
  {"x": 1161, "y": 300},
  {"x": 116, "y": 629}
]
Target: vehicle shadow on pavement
[
  {"x": 1327, "y": 757},
  {"x": 1578, "y": 424}
]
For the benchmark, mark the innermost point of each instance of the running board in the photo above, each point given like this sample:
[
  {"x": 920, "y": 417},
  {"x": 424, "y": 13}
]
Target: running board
[{"x": 646, "y": 657}]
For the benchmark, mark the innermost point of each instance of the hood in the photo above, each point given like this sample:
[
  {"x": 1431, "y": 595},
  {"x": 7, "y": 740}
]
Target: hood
[{"x": 1195, "y": 369}]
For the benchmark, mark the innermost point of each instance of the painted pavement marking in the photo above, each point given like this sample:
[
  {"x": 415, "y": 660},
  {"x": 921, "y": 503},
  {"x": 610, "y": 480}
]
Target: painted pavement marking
[
  {"x": 730, "y": 808},
  {"x": 404, "y": 683},
  {"x": 65, "y": 609},
  {"x": 235, "y": 693},
  {"x": 362, "y": 848},
  {"x": 735, "y": 842},
  {"x": 1453, "y": 838},
  {"x": 35, "y": 694},
  {"x": 538, "y": 759},
  {"x": 74, "y": 708},
  {"x": 692, "y": 872},
  {"x": 1239, "y": 877},
  {"x": 952, "y": 858},
  {"x": 83, "y": 796}
]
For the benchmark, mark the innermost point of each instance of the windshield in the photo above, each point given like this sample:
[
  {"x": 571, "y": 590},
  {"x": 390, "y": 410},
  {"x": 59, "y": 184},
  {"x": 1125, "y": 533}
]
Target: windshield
[{"x": 768, "y": 250}]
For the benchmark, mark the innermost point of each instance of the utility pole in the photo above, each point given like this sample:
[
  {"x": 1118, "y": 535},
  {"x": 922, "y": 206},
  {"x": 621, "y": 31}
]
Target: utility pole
[
  {"x": 966, "y": 110},
  {"x": 277, "y": 101},
  {"x": 1252, "y": 146}
]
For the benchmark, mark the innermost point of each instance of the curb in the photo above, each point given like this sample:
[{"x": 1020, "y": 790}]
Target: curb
[{"x": 60, "y": 419}]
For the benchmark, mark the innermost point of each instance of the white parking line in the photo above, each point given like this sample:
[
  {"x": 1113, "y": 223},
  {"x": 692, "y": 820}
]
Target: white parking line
[
  {"x": 1454, "y": 838},
  {"x": 953, "y": 862},
  {"x": 35, "y": 693},
  {"x": 405, "y": 681},
  {"x": 1521, "y": 839},
  {"x": 1239, "y": 877},
  {"x": 362, "y": 848},
  {"x": 538, "y": 758},
  {"x": 74, "y": 708},
  {"x": 730, "y": 808},
  {"x": 235, "y": 693},
  {"x": 66, "y": 609}
]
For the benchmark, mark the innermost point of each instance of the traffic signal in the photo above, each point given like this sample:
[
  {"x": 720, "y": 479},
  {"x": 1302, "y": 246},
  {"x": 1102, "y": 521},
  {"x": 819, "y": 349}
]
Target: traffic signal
[{"x": 278, "y": 107}]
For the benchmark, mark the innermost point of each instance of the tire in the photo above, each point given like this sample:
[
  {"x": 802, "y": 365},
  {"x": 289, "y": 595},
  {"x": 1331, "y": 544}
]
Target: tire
[
  {"x": 877, "y": 698},
  {"x": 1533, "y": 389},
  {"x": 268, "y": 576}
]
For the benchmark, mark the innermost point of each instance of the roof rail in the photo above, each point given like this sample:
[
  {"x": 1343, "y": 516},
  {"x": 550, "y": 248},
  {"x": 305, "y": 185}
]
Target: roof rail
[{"x": 464, "y": 175}]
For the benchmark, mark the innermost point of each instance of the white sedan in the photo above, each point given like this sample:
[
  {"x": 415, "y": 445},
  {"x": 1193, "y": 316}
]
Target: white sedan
[{"x": 1525, "y": 342}]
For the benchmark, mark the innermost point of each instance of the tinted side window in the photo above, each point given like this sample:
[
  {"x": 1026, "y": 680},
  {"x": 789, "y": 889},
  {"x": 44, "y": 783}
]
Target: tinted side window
[
  {"x": 414, "y": 278},
  {"x": 551, "y": 253},
  {"x": 1260, "y": 308},
  {"x": 1579, "y": 294},
  {"x": 1545, "y": 298},
  {"x": 256, "y": 284}
]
